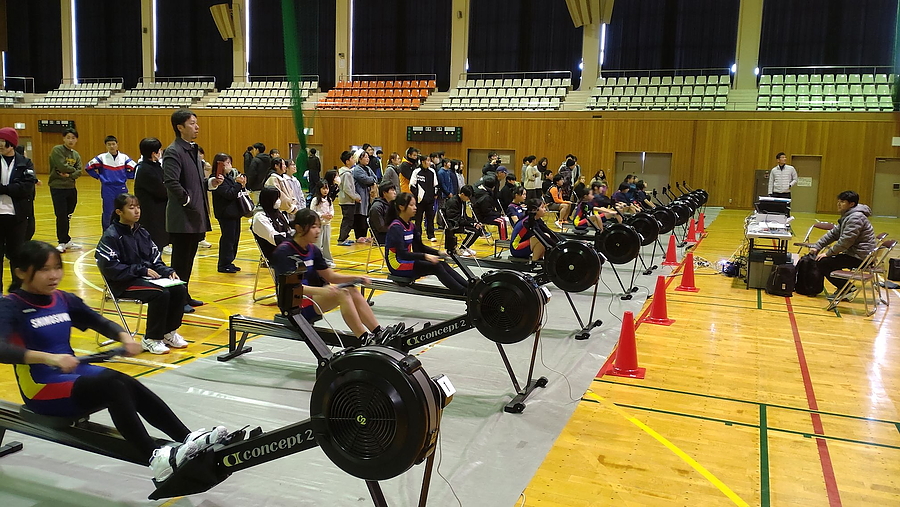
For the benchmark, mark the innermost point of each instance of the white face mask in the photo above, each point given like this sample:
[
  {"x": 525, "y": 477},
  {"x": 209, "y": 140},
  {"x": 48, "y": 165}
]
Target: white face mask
[{"x": 278, "y": 203}]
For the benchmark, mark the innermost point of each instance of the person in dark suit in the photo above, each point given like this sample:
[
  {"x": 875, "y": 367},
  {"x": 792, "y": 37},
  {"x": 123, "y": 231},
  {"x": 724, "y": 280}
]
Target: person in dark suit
[
  {"x": 17, "y": 182},
  {"x": 187, "y": 211},
  {"x": 151, "y": 191}
]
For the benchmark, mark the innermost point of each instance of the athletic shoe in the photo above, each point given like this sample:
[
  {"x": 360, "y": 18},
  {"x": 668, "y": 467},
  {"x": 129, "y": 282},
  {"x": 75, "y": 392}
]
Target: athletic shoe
[
  {"x": 332, "y": 265},
  {"x": 346, "y": 242},
  {"x": 472, "y": 253},
  {"x": 204, "y": 244},
  {"x": 204, "y": 439},
  {"x": 61, "y": 247},
  {"x": 227, "y": 269},
  {"x": 235, "y": 268},
  {"x": 364, "y": 239},
  {"x": 433, "y": 240},
  {"x": 166, "y": 460},
  {"x": 175, "y": 340},
  {"x": 154, "y": 346},
  {"x": 463, "y": 252},
  {"x": 167, "y": 250},
  {"x": 73, "y": 246}
]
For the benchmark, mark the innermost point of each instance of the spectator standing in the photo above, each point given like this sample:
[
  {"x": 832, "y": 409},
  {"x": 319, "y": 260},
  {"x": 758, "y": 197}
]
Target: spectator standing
[
  {"x": 187, "y": 209},
  {"x": 374, "y": 162},
  {"x": 365, "y": 181},
  {"x": 392, "y": 171},
  {"x": 276, "y": 178},
  {"x": 226, "y": 209},
  {"x": 407, "y": 166},
  {"x": 258, "y": 169},
  {"x": 151, "y": 191},
  {"x": 65, "y": 168},
  {"x": 782, "y": 178},
  {"x": 423, "y": 185},
  {"x": 448, "y": 185},
  {"x": 322, "y": 204},
  {"x": 17, "y": 182},
  {"x": 28, "y": 209},
  {"x": 531, "y": 177},
  {"x": 113, "y": 168},
  {"x": 348, "y": 199},
  {"x": 314, "y": 168},
  {"x": 460, "y": 177},
  {"x": 290, "y": 178}
]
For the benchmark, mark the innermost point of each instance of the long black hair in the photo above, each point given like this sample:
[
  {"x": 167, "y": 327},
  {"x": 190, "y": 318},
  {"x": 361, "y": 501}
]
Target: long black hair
[
  {"x": 121, "y": 201},
  {"x": 402, "y": 199},
  {"x": 305, "y": 219},
  {"x": 317, "y": 194},
  {"x": 267, "y": 198},
  {"x": 32, "y": 256}
]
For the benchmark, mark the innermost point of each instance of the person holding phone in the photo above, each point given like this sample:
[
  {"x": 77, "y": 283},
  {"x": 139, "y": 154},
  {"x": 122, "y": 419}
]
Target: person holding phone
[{"x": 227, "y": 210}]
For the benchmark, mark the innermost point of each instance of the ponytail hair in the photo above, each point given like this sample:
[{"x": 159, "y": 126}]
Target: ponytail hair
[
  {"x": 402, "y": 199},
  {"x": 32, "y": 256}
]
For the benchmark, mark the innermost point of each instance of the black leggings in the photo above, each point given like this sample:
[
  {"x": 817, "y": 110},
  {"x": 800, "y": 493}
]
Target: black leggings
[
  {"x": 450, "y": 241},
  {"x": 125, "y": 398},
  {"x": 447, "y": 275}
]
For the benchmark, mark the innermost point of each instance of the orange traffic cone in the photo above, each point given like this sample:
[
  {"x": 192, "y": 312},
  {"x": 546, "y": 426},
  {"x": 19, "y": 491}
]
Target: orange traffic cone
[
  {"x": 692, "y": 232},
  {"x": 626, "y": 364},
  {"x": 658, "y": 313},
  {"x": 701, "y": 229},
  {"x": 687, "y": 277},
  {"x": 671, "y": 258}
]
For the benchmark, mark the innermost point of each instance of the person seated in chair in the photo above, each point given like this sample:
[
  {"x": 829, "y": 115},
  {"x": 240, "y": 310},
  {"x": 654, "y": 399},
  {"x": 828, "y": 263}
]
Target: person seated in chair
[
  {"x": 556, "y": 202},
  {"x": 270, "y": 225},
  {"x": 380, "y": 211},
  {"x": 853, "y": 238},
  {"x": 525, "y": 240},
  {"x": 408, "y": 257},
  {"x": 486, "y": 207},
  {"x": 623, "y": 200},
  {"x": 36, "y": 321},
  {"x": 458, "y": 222},
  {"x": 603, "y": 205},
  {"x": 641, "y": 197},
  {"x": 129, "y": 260},
  {"x": 320, "y": 281}
]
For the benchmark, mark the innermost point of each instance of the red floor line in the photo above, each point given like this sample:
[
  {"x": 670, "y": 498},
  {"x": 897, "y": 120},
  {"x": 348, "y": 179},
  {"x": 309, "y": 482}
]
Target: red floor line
[
  {"x": 644, "y": 312},
  {"x": 831, "y": 488}
]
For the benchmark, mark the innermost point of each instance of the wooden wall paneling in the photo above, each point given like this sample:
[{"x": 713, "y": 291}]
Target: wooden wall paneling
[{"x": 718, "y": 152}]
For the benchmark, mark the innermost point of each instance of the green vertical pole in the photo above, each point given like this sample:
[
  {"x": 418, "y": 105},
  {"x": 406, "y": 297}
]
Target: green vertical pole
[{"x": 294, "y": 71}]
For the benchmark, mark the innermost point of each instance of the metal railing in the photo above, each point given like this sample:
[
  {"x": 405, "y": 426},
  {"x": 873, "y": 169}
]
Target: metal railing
[
  {"x": 714, "y": 71},
  {"x": 387, "y": 77},
  {"x": 828, "y": 69},
  {"x": 19, "y": 84},
  {"x": 547, "y": 74}
]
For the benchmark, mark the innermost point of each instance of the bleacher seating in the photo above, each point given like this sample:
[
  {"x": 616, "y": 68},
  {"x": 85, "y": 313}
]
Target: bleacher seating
[
  {"x": 508, "y": 94},
  {"x": 378, "y": 95},
  {"x": 659, "y": 93},
  {"x": 78, "y": 95},
  {"x": 9, "y": 98},
  {"x": 825, "y": 92},
  {"x": 163, "y": 94},
  {"x": 260, "y": 95}
]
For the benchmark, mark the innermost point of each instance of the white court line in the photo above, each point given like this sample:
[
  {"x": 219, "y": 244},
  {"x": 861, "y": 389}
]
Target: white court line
[{"x": 249, "y": 401}]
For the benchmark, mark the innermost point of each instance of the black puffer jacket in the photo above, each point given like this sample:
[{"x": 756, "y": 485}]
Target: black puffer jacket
[{"x": 124, "y": 254}]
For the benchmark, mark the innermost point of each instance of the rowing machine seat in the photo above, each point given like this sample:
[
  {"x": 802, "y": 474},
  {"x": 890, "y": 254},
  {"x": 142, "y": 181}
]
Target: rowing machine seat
[
  {"x": 403, "y": 281},
  {"x": 50, "y": 421}
]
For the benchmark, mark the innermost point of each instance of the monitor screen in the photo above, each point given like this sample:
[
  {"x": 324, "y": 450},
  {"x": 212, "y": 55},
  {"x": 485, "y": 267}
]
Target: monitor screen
[{"x": 773, "y": 205}]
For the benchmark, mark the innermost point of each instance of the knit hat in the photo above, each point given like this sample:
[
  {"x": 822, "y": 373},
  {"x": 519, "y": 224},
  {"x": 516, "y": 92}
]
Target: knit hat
[
  {"x": 356, "y": 155},
  {"x": 502, "y": 169},
  {"x": 10, "y": 135}
]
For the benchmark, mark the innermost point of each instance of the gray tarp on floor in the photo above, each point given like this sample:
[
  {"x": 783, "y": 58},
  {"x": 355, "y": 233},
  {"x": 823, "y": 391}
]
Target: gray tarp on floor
[{"x": 486, "y": 455}]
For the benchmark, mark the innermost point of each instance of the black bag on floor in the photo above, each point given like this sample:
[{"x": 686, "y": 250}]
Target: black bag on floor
[
  {"x": 809, "y": 281},
  {"x": 894, "y": 270},
  {"x": 781, "y": 281}
]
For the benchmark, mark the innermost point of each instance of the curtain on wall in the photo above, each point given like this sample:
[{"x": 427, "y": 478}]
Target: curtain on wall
[
  {"x": 672, "y": 34},
  {"x": 188, "y": 43},
  {"x": 35, "y": 46},
  {"x": 833, "y": 32},
  {"x": 315, "y": 29},
  {"x": 402, "y": 37},
  {"x": 523, "y": 36},
  {"x": 108, "y": 35}
]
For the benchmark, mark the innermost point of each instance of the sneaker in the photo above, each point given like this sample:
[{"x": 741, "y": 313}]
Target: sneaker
[
  {"x": 167, "y": 250},
  {"x": 235, "y": 268},
  {"x": 203, "y": 439},
  {"x": 154, "y": 346},
  {"x": 204, "y": 244},
  {"x": 61, "y": 247},
  {"x": 175, "y": 340},
  {"x": 166, "y": 460},
  {"x": 472, "y": 253},
  {"x": 73, "y": 246},
  {"x": 433, "y": 240},
  {"x": 332, "y": 265},
  {"x": 463, "y": 252},
  {"x": 487, "y": 234},
  {"x": 346, "y": 242}
]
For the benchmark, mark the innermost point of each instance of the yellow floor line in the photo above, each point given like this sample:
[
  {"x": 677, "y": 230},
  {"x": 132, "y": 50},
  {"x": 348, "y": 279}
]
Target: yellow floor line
[{"x": 672, "y": 447}]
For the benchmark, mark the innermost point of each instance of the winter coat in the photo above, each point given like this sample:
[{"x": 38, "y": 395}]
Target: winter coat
[
  {"x": 853, "y": 235},
  {"x": 151, "y": 192},
  {"x": 125, "y": 253}
]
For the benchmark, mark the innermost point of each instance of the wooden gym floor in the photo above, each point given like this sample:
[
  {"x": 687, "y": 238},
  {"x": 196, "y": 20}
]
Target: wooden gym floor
[{"x": 749, "y": 399}]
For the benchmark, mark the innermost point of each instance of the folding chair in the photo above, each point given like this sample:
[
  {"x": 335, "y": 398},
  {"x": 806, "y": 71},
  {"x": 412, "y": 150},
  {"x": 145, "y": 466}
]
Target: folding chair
[
  {"x": 862, "y": 275},
  {"x": 879, "y": 270},
  {"x": 824, "y": 226},
  {"x": 109, "y": 296},
  {"x": 265, "y": 249}
]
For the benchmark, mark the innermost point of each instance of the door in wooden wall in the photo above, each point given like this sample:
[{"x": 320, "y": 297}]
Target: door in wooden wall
[
  {"x": 805, "y": 194},
  {"x": 476, "y": 159},
  {"x": 886, "y": 198},
  {"x": 653, "y": 168}
]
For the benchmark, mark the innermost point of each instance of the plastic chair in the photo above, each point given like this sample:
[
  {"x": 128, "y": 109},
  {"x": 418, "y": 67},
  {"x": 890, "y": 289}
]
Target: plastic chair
[
  {"x": 823, "y": 226},
  {"x": 109, "y": 296}
]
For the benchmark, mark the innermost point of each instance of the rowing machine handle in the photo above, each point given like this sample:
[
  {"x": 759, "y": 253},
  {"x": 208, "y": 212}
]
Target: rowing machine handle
[{"x": 102, "y": 356}]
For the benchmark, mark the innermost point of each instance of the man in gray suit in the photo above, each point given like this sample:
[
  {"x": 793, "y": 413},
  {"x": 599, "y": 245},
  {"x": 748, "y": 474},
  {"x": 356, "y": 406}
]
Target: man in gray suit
[{"x": 187, "y": 212}]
